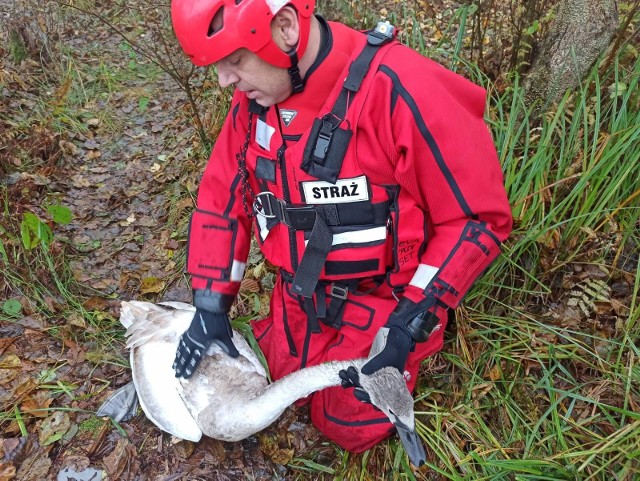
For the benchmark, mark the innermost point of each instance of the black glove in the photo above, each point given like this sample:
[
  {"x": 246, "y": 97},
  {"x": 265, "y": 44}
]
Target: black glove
[
  {"x": 396, "y": 345},
  {"x": 206, "y": 327},
  {"x": 350, "y": 378},
  {"x": 408, "y": 324},
  {"x": 391, "y": 347}
]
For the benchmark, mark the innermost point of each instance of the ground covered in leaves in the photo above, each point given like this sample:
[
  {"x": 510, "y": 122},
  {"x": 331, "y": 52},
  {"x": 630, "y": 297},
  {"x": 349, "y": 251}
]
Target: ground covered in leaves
[
  {"x": 112, "y": 144},
  {"x": 97, "y": 145}
]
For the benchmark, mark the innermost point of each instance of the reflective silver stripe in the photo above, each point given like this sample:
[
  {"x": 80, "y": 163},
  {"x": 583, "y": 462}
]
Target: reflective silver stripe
[
  {"x": 237, "y": 270},
  {"x": 360, "y": 236},
  {"x": 424, "y": 274}
]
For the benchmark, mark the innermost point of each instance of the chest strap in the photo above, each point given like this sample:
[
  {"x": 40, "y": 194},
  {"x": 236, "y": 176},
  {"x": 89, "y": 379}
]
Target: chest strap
[
  {"x": 328, "y": 143},
  {"x": 303, "y": 216},
  {"x": 319, "y": 243},
  {"x": 318, "y": 218}
]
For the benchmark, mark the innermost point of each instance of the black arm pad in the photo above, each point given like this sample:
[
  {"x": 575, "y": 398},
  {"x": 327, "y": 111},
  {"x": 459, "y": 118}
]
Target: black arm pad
[{"x": 416, "y": 319}]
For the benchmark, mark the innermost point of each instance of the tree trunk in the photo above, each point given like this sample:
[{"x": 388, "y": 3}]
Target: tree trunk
[{"x": 578, "y": 35}]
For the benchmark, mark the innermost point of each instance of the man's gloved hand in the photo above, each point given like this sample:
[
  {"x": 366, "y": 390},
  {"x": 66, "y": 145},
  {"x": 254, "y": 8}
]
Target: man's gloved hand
[
  {"x": 206, "y": 327},
  {"x": 350, "y": 378},
  {"x": 390, "y": 348},
  {"x": 393, "y": 346},
  {"x": 406, "y": 325}
]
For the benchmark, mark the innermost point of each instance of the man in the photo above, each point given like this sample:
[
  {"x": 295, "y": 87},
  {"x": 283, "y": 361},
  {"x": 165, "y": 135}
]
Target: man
[{"x": 370, "y": 179}]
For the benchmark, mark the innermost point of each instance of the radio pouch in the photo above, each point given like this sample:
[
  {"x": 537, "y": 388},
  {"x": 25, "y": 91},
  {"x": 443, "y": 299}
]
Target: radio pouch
[{"x": 325, "y": 150}]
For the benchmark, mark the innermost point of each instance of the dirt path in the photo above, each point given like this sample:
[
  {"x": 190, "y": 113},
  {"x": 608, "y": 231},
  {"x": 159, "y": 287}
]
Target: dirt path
[{"x": 124, "y": 163}]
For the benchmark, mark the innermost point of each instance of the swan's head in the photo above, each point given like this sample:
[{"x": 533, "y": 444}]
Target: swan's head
[{"x": 388, "y": 392}]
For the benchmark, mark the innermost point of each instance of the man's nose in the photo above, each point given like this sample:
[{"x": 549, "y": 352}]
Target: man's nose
[{"x": 226, "y": 76}]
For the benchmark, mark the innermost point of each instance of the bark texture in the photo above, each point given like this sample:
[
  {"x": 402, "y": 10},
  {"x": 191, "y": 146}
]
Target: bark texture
[{"x": 581, "y": 31}]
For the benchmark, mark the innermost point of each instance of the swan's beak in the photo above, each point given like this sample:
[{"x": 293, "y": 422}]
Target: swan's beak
[{"x": 412, "y": 443}]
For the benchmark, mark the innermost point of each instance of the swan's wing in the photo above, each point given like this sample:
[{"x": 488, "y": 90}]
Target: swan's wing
[
  {"x": 153, "y": 333},
  {"x": 147, "y": 322},
  {"x": 179, "y": 305},
  {"x": 245, "y": 351},
  {"x": 158, "y": 390}
]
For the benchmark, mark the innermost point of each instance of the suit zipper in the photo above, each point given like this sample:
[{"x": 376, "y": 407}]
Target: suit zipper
[{"x": 293, "y": 251}]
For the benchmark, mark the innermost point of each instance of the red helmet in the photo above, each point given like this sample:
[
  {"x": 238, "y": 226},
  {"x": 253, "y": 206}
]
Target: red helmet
[{"x": 246, "y": 23}]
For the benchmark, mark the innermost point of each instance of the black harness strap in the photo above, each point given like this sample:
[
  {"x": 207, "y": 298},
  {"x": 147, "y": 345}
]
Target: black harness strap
[
  {"x": 303, "y": 216},
  {"x": 324, "y": 153},
  {"x": 312, "y": 262},
  {"x": 319, "y": 160},
  {"x": 331, "y": 313}
]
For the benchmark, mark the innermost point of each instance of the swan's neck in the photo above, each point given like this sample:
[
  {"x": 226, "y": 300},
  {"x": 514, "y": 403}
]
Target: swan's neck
[
  {"x": 276, "y": 397},
  {"x": 301, "y": 383},
  {"x": 247, "y": 415}
]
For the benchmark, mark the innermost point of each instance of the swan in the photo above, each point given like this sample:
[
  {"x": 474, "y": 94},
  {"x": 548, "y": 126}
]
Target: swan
[{"x": 229, "y": 398}]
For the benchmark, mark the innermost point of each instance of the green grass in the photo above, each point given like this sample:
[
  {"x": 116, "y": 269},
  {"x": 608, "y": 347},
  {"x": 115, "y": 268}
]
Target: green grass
[
  {"x": 514, "y": 396},
  {"x": 522, "y": 398}
]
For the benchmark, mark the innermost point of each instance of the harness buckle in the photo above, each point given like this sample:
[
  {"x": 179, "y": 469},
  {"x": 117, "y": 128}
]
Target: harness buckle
[
  {"x": 383, "y": 33},
  {"x": 339, "y": 292},
  {"x": 263, "y": 205},
  {"x": 299, "y": 217},
  {"x": 323, "y": 141}
]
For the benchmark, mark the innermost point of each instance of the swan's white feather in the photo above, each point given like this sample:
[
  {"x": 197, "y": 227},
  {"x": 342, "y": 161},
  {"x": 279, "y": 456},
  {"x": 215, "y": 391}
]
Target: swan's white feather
[
  {"x": 226, "y": 398},
  {"x": 153, "y": 333}
]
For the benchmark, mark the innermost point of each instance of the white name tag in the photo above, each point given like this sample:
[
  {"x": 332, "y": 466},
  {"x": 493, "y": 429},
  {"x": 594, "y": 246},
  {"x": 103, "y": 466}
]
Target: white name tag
[{"x": 344, "y": 190}]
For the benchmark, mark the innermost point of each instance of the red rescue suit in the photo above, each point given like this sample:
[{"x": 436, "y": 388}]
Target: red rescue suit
[{"x": 415, "y": 208}]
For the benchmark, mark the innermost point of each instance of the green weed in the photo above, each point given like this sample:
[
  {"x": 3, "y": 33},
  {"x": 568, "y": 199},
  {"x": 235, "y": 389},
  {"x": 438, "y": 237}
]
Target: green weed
[
  {"x": 17, "y": 48},
  {"x": 524, "y": 397}
]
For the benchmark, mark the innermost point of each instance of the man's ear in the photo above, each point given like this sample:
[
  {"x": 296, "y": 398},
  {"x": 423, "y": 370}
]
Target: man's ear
[{"x": 285, "y": 28}]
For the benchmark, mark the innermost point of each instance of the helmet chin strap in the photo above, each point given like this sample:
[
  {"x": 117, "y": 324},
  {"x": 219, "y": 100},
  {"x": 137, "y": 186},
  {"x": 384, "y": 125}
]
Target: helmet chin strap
[{"x": 297, "y": 84}]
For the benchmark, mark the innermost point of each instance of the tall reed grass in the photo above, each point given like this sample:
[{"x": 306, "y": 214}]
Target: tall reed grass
[{"x": 521, "y": 396}]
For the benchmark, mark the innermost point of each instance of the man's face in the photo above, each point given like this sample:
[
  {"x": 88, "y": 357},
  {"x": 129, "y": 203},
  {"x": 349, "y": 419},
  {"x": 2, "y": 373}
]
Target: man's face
[{"x": 261, "y": 81}]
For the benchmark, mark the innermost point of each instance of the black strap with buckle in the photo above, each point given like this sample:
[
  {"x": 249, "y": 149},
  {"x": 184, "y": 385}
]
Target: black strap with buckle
[
  {"x": 328, "y": 141},
  {"x": 336, "y": 293},
  {"x": 303, "y": 216}
]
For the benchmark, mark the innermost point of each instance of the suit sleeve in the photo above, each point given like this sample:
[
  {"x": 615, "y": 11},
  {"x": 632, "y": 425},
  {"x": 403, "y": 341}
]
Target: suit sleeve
[
  {"x": 446, "y": 160},
  {"x": 219, "y": 230}
]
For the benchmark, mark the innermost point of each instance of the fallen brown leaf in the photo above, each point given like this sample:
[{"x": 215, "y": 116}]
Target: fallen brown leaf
[
  {"x": 283, "y": 456},
  {"x": 10, "y": 361},
  {"x": 54, "y": 427},
  {"x": 75, "y": 319},
  {"x": 37, "y": 404},
  {"x": 184, "y": 449},
  {"x": 7, "y": 471},
  {"x": 249, "y": 285},
  {"x": 95, "y": 304},
  {"x": 151, "y": 285},
  {"x": 35, "y": 467},
  {"x": 123, "y": 457}
]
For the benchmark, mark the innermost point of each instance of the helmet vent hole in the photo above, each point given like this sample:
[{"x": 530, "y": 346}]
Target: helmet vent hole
[{"x": 217, "y": 22}]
